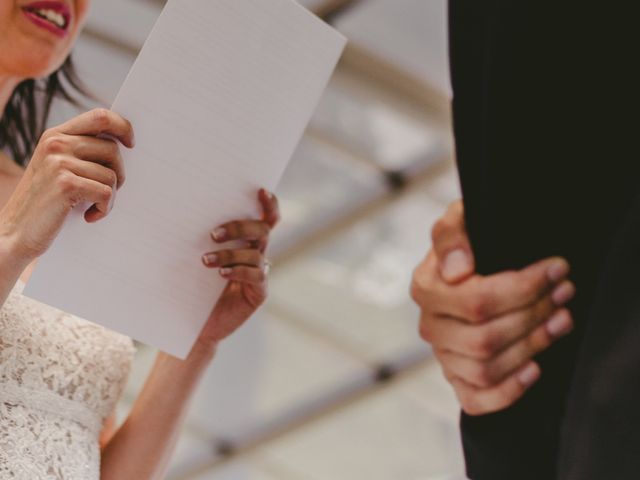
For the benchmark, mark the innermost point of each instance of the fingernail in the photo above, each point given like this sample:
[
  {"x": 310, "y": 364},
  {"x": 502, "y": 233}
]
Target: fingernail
[
  {"x": 558, "y": 270},
  {"x": 225, "y": 271},
  {"x": 529, "y": 375},
  {"x": 456, "y": 264},
  {"x": 563, "y": 293},
  {"x": 210, "y": 258},
  {"x": 219, "y": 233},
  {"x": 559, "y": 324}
]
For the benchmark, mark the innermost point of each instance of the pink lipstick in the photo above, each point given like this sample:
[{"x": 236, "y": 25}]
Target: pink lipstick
[{"x": 49, "y": 15}]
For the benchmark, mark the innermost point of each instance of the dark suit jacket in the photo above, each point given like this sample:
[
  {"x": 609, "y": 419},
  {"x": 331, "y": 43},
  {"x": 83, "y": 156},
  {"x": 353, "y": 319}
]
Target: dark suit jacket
[{"x": 543, "y": 96}]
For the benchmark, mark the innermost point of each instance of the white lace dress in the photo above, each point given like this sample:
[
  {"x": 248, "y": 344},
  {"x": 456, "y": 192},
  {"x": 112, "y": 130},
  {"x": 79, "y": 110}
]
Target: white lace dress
[{"x": 60, "y": 377}]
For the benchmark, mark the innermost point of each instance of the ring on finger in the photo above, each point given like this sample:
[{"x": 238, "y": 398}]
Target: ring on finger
[{"x": 267, "y": 267}]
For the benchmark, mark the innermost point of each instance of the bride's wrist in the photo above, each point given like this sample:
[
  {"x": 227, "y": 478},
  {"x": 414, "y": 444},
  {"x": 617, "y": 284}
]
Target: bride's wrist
[
  {"x": 12, "y": 259},
  {"x": 204, "y": 348}
]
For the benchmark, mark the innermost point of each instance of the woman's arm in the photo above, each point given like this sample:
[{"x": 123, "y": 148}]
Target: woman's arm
[
  {"x": 108, "y": 431},
  {"x": 11, "y": 265},
  {"x": 142, "y": 447},
  {"x": 61, "y": 174}
]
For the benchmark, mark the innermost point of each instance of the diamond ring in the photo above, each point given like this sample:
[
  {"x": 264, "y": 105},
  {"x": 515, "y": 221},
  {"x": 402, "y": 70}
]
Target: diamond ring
[{"x": 267, "y": 267}]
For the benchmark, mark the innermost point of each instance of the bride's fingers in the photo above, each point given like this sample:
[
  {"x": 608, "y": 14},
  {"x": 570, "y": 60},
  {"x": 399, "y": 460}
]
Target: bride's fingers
[
  {"x": 270, "y": 207},
  {"x": 241, "y": 230},
  {"x": 242, "y": 274},
  {"x": 232, "y": 258}
]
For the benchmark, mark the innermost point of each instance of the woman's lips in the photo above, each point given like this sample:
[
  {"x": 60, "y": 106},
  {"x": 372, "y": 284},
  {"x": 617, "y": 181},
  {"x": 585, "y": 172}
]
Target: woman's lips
[{"x": 52, "y": 16}]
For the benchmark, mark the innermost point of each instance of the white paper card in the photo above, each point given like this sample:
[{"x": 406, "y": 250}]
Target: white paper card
[{"x": 219, "y": 97}]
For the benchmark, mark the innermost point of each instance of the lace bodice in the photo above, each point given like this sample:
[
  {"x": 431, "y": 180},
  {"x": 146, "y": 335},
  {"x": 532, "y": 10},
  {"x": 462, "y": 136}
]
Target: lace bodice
[{"x": 60, "y": 378}]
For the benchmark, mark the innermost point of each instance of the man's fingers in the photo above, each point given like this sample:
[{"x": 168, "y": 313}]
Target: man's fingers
[
  {"x": 539, "y": 340},
  {"x": 538, "y": 277},
  {"x": 482, "y": 298},
  {"x": 484, "y": 341},
  {"x": 100, "y": 121},
  {"x": 451, "y": 245},
  {"x": 478, "y": 401},
  {"x": 491, "y": 372}
]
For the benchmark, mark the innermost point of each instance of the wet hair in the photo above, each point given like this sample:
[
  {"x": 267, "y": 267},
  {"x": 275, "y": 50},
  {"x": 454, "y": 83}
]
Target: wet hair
[{"x": 26, "y": 114}]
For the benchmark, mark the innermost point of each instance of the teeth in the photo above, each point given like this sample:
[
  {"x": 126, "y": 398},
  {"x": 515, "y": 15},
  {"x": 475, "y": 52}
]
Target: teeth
[{"x": 54, "y": 17}]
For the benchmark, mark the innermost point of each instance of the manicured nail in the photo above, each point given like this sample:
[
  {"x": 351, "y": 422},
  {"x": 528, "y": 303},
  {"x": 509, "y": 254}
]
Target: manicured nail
[
  {"x": 558, "y": 270},
  {"x": 210, "y": 258},
  {"x": 225, "y": 272},
  {"x": 529, "y": 375},
  {"x": 563, "y": 293},
  {"x": 219, "y": 233},
  {"x": 559, "y": 324},
  {"x": 456, "y": 264}
]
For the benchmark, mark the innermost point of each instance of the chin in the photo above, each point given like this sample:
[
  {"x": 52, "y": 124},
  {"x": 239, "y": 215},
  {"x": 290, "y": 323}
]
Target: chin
[
  {"x": 39, "y": 62},
  {"x": 29, "y": 53}
]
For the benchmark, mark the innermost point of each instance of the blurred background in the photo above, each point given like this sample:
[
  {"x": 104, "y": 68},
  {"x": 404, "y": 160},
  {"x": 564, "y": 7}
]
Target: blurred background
[{"x": 331, "y": 380}]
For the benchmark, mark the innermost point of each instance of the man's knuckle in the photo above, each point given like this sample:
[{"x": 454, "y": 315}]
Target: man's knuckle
[
  {"x": 482, "y": 375},
  {"x": 478, "y": 308},
  {"x": 538, "y": 312},
  {"x": 441, "y": 228},
  {"x": 415, "y": 291},
  {"x": 421, "y": 284},
  {"x": 539, "y": 340},
  {"x": 483, "y": 344}
]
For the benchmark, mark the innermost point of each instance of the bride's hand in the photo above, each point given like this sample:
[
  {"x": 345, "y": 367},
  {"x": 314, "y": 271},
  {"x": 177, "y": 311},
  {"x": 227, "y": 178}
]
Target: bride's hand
[
  {"x": 245, "y": 268},
  {"x": 72, "y": 163}
]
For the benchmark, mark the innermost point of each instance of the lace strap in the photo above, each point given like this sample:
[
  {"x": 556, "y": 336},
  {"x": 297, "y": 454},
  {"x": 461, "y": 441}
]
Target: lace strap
[{"x": 13, "y": 394}]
